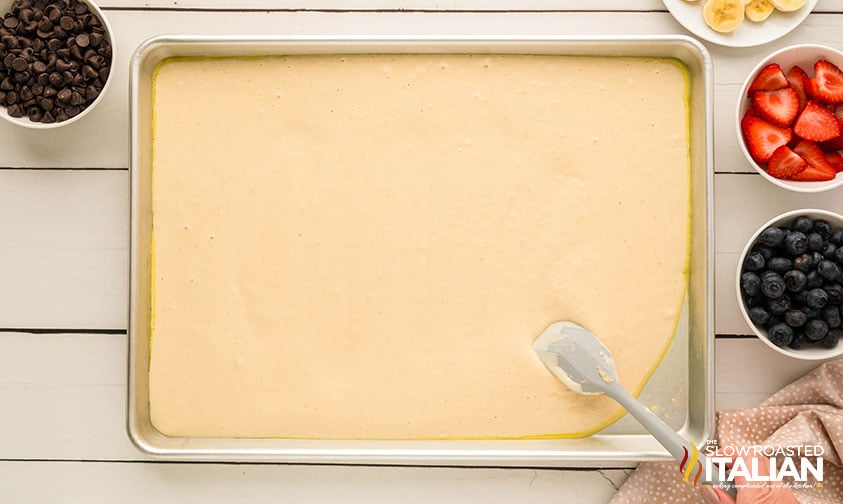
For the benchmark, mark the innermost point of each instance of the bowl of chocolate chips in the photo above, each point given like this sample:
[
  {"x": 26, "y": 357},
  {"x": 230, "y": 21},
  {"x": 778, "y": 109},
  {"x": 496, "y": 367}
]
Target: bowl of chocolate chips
[
  {"x": 56, "y": 58},
  {"x": 790, "y": 284}
]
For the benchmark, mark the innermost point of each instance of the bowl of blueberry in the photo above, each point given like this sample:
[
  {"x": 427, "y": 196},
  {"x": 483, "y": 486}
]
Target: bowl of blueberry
[{"x": 790, "y": 284}]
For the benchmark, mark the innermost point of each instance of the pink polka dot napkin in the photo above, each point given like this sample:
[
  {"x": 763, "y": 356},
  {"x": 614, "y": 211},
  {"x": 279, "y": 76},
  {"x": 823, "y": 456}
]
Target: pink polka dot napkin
[{"x": 808, "y": 412}]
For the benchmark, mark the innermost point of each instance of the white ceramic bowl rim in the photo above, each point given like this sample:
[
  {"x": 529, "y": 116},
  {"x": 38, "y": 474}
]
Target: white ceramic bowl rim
[
  {"x": 794, "y": 53},
  {"x": 5, "y": 6},
  {"x": 810, "y": 352}
]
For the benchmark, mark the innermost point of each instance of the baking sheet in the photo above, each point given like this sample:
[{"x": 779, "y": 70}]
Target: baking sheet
[{"x": 680, "y": 390}]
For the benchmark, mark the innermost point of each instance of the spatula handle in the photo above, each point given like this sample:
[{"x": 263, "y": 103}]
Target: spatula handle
[{"x": 692, "y": 463}]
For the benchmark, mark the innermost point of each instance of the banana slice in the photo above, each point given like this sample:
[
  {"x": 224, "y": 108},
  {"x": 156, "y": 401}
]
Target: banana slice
[
  {"x": 758, "y": 10},
  {"x": 723, "y": 16},
  {"x": 788, "y": 5}
]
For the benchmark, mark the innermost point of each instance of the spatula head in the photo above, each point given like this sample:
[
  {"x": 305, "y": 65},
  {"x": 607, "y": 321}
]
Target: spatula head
[{"x": 576, "y": 357}]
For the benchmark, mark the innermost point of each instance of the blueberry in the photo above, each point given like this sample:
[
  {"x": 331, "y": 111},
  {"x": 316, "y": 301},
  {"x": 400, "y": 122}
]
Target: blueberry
[
  {"x": 772, "y": 285},
  {"x": 751, "y": 283},
  {"x": 817, "y": 298},
  {"x": 780, "y": 264},
  {"x": 828, "y": 270},
  {"x": 835, "y": 294},
  {"x": 794, "y": 280},
  {"x": 815, "y": 280},
  {"x": 803, "y": 224},
  {"x": 817, "y": 257},
  {"x": 838, "y": 255},
  {"x": 760, "y": 317},
  {"x": 823, "y": 228},
  {"x": 795, "y": 318},
  {"x": 831, "y": 315},
  {"x": 815, "y": 329},
  {"x": 780, "y": 335},
  {"x": 829, "y": 251},
  {"x": 831, "y": 338},
  {"x": 795, "y": 243},
  {"x": 837, "y": 237},
  {"x": 797, "y": 342},
  {"x": 772, "y": 236},
  {"x": 815, "y": 242},
  {"x": 756, "y": 300},
  {"x": 779, "y": 305},
  {"x": 811, "y": 313},
  {"x": 754, "y": 261},
  {"x": 803, "y": 263},
  {"x": 765, "y": 251}
]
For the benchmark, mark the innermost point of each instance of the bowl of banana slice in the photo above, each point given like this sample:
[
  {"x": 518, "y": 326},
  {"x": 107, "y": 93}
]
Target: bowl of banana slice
[{"x": 740, "y": 23}]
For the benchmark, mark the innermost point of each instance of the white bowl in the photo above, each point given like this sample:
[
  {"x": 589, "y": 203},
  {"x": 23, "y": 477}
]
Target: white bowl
[
  {"x": 808, "y": 352},
  {"x": 803, "y": 55},
  {"x": 6, "y": 6}
]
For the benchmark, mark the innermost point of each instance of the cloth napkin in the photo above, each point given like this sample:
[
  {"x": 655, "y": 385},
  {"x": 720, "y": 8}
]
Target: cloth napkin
[{"x": 808, "y": 412}]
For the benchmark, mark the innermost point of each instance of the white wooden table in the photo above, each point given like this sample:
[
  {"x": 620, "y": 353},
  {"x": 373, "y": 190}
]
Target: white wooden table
[{"x": 63, "y": 267}]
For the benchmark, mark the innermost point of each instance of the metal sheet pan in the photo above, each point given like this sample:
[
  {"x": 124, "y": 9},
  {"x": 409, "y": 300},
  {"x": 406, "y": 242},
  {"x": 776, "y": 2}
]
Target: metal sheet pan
[{"x": 681, "y": 389}]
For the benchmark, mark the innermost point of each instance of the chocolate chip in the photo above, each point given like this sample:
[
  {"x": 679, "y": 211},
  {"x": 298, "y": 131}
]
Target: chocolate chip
[
  {"x": 11, "y": 97},
  {"x": 50, "y": 91},
  {"x": 73, "y": 111},
  {"x": 83, "y": 40},
  {"x": 15, "y": 110},
  {"x": 66, "y": 23},
  {"x": 81, "y": 8},
  {"x": 19, "y": 64},
  {"x": 22, "y": 77},
  {"x": 37, "y": 89},
  {"x": 53, "y": 12},
  {"x": 49, "y": 118},
  {"x": 26, "y": 93},
  {"x": 64, "y": 95},
  {"x": 2, "y": 97},
  {"x": 91, "y": 93},
  {"x": 34, "y": 114},
  {"x": 11, "y": 22},
  {"x": 45, "y": 25},
  {"x": 54, "y": 44},
  {"x": 39, "y": 67},
  {"x": 46, "y": 103},
  {"x": 89, "y": 72},
  {"x": 55, "y": 79},
  {"x": 96, "y": 39},
  {"x": 62, "y": 65},
  {"x": 7, "y": 84}
]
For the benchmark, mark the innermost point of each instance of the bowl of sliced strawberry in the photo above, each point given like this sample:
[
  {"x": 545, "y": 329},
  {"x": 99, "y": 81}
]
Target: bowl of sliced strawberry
[{"x": 790, "y": 118}]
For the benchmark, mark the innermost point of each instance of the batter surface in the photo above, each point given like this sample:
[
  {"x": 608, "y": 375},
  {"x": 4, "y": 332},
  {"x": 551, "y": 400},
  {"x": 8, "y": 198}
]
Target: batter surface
[{"x": 366, "y": 246}]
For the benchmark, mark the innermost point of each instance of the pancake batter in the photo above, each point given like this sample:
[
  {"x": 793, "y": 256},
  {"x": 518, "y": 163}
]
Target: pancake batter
[{"x": 366, "y": 246}]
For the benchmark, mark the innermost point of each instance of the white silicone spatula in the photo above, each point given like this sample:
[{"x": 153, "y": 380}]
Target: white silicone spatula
[{"x": 586, "y": 366}]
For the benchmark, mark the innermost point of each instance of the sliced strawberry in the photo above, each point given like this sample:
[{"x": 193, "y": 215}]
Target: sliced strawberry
[
  {"x": 838, "y": 111},
  {"x": 780, "y": 107},
  {"x": 818, "y": 166},
  {"x": 798, "y": 80},
  {"x": 816, "y": 123},
  {"x": 812, "y": 90},
  {"x": 835, "y": 159},
  {"x": 770, "y": 78},
  {"x": 812, "y": 174},
  {"x": 786, "y": 164},
  {"x": 762, "y": 138},
  {"x": 836, "y": 143},
  {"x": 829, "y": 82},
  {"x": 813, "y": 155}
]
